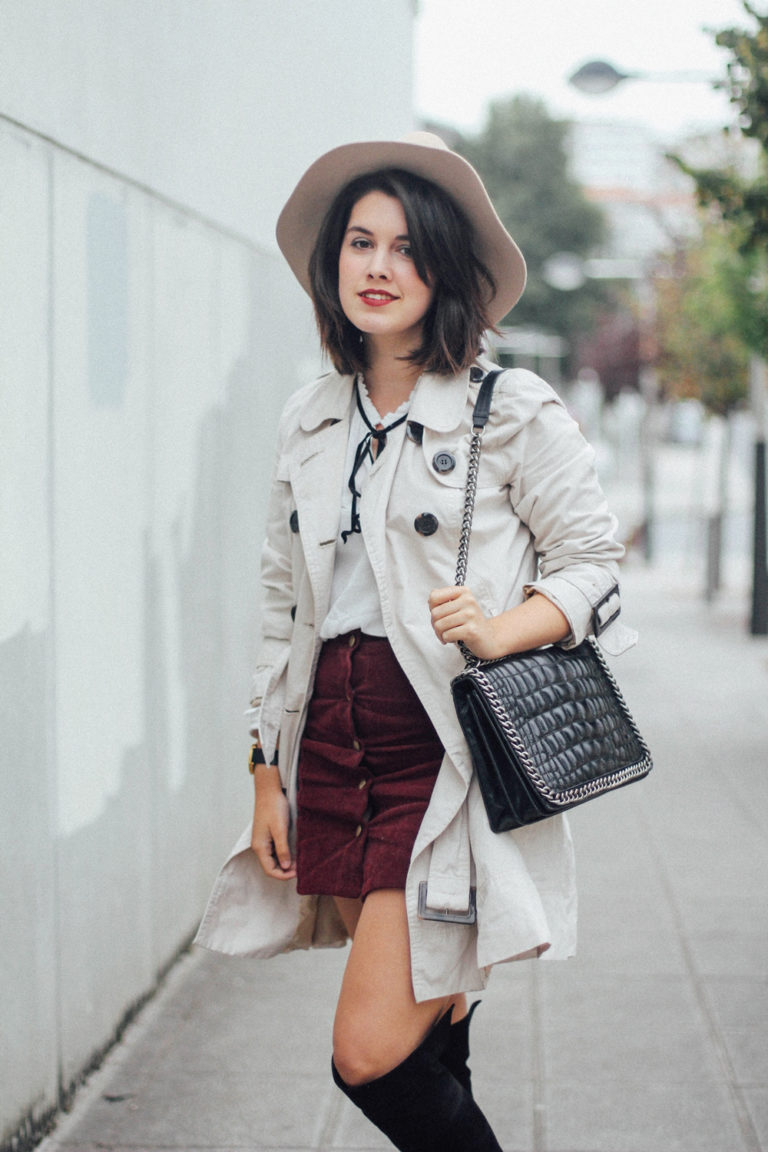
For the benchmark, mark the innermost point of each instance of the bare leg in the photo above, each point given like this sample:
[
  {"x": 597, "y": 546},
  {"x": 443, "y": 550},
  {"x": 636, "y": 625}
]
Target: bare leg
[
  {"x": 378, "y": 1022},
  {"x": 387, "y": 1056}
]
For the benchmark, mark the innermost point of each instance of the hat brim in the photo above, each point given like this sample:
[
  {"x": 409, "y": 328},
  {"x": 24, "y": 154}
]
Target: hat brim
[{"x": 306, "y": 208}]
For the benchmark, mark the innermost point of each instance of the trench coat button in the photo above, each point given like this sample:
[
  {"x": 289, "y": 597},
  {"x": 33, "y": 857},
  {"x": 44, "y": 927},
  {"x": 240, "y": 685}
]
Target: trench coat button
[
  {"x": 425, "y": 524},
  {"x": 358, "y": 830},
  {"x": 352, "y": 640},
  {"x": 443, "y": 462},
  {"x": 476, "y": 374},
  {"x": 362, "y": 784},
  {"x": 294, "y": 520},
  {"x": 293, "y": 612},
  {"x": 414, "y": 431},
  {"x": 356, "y": 745}
]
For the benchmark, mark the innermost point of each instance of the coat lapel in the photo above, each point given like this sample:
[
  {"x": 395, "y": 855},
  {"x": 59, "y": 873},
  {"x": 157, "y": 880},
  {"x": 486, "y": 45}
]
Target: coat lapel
[
  {"x": 439, "y": 402},
  {"x": 316, "y": 468}
]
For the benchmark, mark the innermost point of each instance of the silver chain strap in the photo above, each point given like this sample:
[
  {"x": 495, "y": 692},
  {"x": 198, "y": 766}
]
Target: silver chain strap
[
  {"x": 473, "y": 466},
  {"x": 479, "y": 419},
  {"x": 462, "y": 561}
]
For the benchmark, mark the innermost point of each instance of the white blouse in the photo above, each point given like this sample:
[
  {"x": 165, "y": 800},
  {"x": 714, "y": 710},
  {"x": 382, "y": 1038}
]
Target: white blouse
[{"x": 354, "y": 595}]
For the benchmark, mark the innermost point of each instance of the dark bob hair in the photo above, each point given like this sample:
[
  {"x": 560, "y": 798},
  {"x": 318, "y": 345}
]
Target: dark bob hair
[{"x": 443, "y": 253}]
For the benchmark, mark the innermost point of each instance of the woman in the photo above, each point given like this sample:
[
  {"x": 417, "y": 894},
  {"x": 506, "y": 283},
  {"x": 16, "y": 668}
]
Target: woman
[{"x": 372, "y": 825}]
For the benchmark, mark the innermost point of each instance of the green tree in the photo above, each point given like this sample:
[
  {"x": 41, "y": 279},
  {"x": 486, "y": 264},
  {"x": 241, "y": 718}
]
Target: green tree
[
  {"x": 522, "y": 157},
  {"x": 741, "y": 202},
  {"x": 702, "y": 347}
]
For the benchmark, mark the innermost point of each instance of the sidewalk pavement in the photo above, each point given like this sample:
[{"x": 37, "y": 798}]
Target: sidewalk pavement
[{"x": 655, "y": 1039}]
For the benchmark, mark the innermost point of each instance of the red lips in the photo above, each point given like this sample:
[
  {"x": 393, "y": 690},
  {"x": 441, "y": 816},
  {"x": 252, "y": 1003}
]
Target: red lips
[{"x": 375, "y": 298}]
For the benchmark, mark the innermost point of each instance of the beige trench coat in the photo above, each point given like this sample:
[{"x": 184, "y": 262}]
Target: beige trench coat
[{"x": 540, "y": 522}]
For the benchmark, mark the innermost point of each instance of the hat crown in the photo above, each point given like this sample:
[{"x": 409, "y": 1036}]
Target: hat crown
[{"x": 425, "y": 140}]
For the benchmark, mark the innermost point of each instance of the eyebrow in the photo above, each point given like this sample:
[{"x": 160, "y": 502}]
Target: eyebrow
[{"x": 367, "y": 231}]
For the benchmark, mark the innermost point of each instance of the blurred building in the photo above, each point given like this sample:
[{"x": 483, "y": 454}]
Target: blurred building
[
  {"x": 650, "y": 212},
  {"x": 148, "y": 336},
  {"x": 648, "y": 202},
  {"x": 652, "y": 215}
]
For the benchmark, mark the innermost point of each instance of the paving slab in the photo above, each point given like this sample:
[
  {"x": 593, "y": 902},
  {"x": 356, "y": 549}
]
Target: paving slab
[{"x": 652, "y": 1040}]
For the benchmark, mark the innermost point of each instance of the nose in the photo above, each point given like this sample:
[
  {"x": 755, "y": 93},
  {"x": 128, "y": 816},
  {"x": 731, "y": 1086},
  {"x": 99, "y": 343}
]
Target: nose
[{"x": 379, "y": 266}]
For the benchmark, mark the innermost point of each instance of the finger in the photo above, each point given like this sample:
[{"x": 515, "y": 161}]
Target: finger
[
  {"x": 449, "y": 634},
  {"x": 263, "y": 845},
  {"x": 461, "y": 603},
  {"x": 443, "y": 611},
  {"x": 270, "y": 865},
  {"x": 453, "y": 616},
  {"x": 460, "y": 632},
  {"x": 281, "y": 851},
  {"x": 264, "y": 856},
  {"x": 441, "y": 595}
]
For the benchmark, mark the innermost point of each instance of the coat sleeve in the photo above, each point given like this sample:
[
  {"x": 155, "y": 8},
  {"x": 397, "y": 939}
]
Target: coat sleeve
[
  {"x": 556, "y": 493},
  {"x": 277, "y": 598}
]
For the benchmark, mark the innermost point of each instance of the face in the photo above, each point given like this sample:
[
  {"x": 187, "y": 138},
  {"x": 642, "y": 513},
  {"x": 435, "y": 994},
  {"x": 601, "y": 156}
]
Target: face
[{"x": 380, "y": 290}]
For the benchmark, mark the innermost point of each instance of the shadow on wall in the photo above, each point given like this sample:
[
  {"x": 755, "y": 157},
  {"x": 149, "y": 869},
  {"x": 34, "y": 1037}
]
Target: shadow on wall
[
  {"x": 164, "y": 398},
  {"x": 153, "y": 852}
]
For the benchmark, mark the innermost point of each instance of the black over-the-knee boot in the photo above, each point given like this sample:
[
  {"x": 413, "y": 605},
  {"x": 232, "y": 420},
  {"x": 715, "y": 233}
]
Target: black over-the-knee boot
[
  {"x": 421, "y": 1106},
  {"x": 456, "y": 1053}
]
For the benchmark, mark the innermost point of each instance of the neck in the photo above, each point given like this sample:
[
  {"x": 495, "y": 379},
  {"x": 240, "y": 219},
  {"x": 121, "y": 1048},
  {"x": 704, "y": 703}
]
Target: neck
[{"x": 389, "y": 379}]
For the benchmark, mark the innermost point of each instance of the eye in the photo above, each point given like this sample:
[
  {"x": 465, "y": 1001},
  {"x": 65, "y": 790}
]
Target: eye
[
  {"x": 360, "y": 242},
  {"x": 406, "y": 250}
]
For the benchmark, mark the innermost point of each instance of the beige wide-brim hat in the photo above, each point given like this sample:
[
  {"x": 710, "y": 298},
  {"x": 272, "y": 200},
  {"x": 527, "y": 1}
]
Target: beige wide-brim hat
[{"x": 426, "y": 155}]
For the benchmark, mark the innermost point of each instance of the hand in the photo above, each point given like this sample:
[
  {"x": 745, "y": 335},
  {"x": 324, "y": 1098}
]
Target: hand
[
  {"x": 456, "y": 615},
  {"x": 271, "y": 818}
]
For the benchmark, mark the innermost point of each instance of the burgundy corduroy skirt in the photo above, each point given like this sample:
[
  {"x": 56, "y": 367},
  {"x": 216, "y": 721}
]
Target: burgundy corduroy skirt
[{"x": 367, "y": 766}]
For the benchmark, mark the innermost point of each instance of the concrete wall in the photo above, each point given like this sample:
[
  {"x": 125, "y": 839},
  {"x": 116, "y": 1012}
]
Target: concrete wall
[{"x": 148, "y": 337}]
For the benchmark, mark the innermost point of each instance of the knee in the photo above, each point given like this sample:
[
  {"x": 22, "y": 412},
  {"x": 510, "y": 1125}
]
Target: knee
[
  {"x": 356, "y": 1059},
  {"x": 353, "y": 1073}
]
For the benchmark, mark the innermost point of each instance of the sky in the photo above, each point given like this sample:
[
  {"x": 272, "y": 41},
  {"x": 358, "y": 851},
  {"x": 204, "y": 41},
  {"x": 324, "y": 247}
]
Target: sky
[{"x": 469, "y": 52}]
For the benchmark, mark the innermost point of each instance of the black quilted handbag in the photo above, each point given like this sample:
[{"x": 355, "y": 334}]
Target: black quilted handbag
[{"x": 546, "y": 729}]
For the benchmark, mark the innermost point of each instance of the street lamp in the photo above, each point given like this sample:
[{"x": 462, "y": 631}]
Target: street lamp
[{"x": 597, "y": 77}]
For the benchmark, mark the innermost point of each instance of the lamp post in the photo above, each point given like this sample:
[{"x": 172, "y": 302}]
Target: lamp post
[{"x": 758, "y": 624}]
